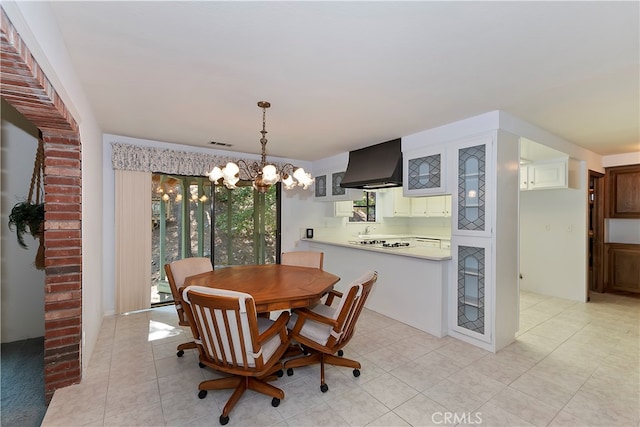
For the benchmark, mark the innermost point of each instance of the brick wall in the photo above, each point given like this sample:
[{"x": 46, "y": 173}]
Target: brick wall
[{"x": 27, "y": 89}]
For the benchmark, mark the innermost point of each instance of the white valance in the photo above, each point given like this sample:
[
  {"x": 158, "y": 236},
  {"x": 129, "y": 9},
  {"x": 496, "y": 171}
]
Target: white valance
[{"x": 163, "y": 160}]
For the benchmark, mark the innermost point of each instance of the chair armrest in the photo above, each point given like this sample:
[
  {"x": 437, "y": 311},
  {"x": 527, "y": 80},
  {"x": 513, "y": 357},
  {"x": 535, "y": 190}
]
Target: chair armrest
[
  {"x": 304, "y": 314},
  {"x": 275, "y": 328},
  {"x": 330, "y": 295}
]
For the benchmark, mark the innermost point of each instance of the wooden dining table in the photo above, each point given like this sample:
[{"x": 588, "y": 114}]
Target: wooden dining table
[{"x": 273, "y": 286}]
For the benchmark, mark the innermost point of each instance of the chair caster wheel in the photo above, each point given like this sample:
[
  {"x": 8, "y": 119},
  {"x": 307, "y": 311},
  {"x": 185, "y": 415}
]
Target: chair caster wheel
[
  {"x": 356, "y": 373},
  {"x": 290, "y": 371},
  {"x": 224, "y": 420},
  {"x": 202, "y": 365},
  {"x": 279, "y": 373},
  {"x": 275, "y": 402},
  {"x": 324, "y": 388},
  {"x": 340, "y": 353},
  {"x": 180, "y": 353},
  {"x": 202, "y": 394}
]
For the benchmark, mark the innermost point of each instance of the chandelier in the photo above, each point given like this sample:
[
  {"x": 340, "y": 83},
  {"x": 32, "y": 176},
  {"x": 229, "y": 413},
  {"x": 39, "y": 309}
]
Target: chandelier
[{"x": 263, "y": 175}]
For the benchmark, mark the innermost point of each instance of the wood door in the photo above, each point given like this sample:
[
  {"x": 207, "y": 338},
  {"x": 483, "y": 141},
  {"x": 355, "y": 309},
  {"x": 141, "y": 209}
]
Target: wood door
[{"x": 596, "y": 232}]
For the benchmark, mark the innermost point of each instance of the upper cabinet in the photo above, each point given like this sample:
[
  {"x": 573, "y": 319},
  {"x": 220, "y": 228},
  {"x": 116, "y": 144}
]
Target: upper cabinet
[
  {"x": 471, "y": 204},
  {"x": 424, "y": 172},
  {"x": 431, "y": 206},
  {"x": 542, "y": 175},
  {"x": 623, "y": 191},
  {"x": 327, "y": 187}
]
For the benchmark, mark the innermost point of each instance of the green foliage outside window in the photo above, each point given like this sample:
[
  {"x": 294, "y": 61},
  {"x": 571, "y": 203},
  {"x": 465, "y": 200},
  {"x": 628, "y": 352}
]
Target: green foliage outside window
[{"x": 364, "y": 209}]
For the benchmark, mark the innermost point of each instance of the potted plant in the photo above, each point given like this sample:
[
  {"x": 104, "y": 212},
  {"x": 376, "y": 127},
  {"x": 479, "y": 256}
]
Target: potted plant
[{"x": 29, "y": 217}]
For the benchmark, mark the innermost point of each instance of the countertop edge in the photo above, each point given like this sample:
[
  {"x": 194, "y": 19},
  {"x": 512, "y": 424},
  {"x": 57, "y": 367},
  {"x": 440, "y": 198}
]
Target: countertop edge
[{"x": 409, "y": 252}]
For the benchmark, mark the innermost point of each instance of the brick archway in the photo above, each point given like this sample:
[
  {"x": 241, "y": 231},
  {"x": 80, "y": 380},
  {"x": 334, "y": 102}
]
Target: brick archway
[{"x": 24, "y": 86}]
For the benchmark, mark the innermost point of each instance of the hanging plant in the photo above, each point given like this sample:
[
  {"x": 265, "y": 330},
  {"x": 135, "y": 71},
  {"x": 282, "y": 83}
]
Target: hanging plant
[{"x": 28, "y": 216}]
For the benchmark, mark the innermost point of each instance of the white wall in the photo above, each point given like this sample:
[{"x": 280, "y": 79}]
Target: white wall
[
  {"x": 21, "y": 284},
  {"x": 552, "y": 250},
  {"x": 37, "y": 26}
]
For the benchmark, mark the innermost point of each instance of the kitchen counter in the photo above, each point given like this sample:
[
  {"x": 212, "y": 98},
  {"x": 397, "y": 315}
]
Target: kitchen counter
[
  {"x": 433, "y": 254},
  {"x": 412, "y": 282}
]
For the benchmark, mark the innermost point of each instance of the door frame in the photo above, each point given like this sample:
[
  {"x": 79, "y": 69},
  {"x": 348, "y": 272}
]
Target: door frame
[{"x": 595, "y": 233}]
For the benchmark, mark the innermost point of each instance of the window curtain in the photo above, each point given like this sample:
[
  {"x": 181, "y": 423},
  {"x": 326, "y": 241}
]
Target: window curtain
[{"x": 133, "y": 240}]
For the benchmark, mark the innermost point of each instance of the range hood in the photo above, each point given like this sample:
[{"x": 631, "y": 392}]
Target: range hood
[{"x": 377, "y": 166}]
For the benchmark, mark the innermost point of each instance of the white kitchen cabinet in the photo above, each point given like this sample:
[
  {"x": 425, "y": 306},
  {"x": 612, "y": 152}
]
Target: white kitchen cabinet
[
  {"x": 424, "y": 171},
  {"x": 438, "y": 206},
  {"x": 343, "y": 208},
  {"x": 419, "y": 206},
  {"x": 327, "y": 188},
  {"x": 472, "y": 206},
  {"x": 550, "y": 174},
  {"x": 401, "y": 204},
  {"x": 472, "y": 293}
]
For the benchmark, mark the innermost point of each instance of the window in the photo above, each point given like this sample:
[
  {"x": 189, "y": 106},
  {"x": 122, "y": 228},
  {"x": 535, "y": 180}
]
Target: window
[
  {"x": 364, "y": 209},
  {"x": 190, "y": 218}
]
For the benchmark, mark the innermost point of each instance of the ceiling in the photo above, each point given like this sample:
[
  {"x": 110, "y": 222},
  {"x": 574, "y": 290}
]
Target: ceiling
[{"x": 345, "y": 75}]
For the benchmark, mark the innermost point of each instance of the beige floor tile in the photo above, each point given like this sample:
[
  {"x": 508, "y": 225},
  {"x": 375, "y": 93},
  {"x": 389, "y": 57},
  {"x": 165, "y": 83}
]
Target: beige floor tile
[
  {"x": 543, "y": 390},
  {"x": 524, "y": 406},
  {"x": 481, "y": 385},
  {"x": 462, "y": 353},
  {"x": 422, "y": 411},
  {"x": 321, "y": 415},
  {"x": 503, "y": 367},
  {"x": 390, "y": 390},
  {"x": 388, "y": 358},
  {"x": 145, "y": 415},
  {"x": 494, "y": 416},
  {"x": 126, "y": 398},
  {"x": 390, "y": 419},
  {"x": 417, "y": 376},
  {"x": 601, "y": 411},
  {"x": 455, "y": 397},
  {"x": 359, "y": 409}
]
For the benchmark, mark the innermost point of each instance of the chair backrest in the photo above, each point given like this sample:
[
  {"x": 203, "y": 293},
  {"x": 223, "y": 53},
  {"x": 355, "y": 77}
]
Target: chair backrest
[
  {"x": 311, "y": 259},
  {"x": 349, "y": 309},
  {"x": 179, "y": 270},
  {"x": 225, "y": 327}
]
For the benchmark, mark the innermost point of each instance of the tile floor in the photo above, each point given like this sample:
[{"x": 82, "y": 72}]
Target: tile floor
[{"x": 573, "y": 364}]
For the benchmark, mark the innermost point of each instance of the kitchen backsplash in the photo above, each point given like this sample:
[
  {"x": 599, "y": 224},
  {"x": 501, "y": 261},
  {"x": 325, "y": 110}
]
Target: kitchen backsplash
[{"x": 335, "y": 227}]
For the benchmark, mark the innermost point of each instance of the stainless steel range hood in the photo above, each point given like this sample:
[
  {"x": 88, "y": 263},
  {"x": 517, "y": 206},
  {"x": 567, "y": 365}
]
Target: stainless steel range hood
[{"x": 377, "y": 166}]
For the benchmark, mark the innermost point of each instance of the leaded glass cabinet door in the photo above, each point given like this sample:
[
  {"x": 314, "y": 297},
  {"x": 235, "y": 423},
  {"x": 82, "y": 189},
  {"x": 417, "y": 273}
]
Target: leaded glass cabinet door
[
  {"x": 473, "y": 288},
  {"x": 424, "y": 172},
  {"x": 472, "y": 203}
]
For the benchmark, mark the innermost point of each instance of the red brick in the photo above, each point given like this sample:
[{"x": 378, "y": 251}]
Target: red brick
[
  {"x": 58, "y": 171},
  {"x": 63, "y": 305},
  {"x": 61, "y": 198},
  {"x": 61, "y": 235},
  {"x": 63, "y": 323},
  {"x": 62, "y": 216},
  {"x": 62, "y": 243},
  {"x": 62, "y": 180},
  {"x": 62, "y": 314}
]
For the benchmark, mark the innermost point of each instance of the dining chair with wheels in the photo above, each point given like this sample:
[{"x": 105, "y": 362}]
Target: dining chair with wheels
[
  {"x": 232, "y": 339},
  {"x": 176, "y": 272},
  {"x": 312, "y": 259},
  {"x": 323, "y": 330}
]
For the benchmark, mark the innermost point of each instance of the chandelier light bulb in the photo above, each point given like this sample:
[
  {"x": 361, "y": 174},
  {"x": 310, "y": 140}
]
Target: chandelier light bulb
[
  {"x": 288, "y": 182},
  {"x": 165, "y": 197},
  {"x": 215, "y": 174}
]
